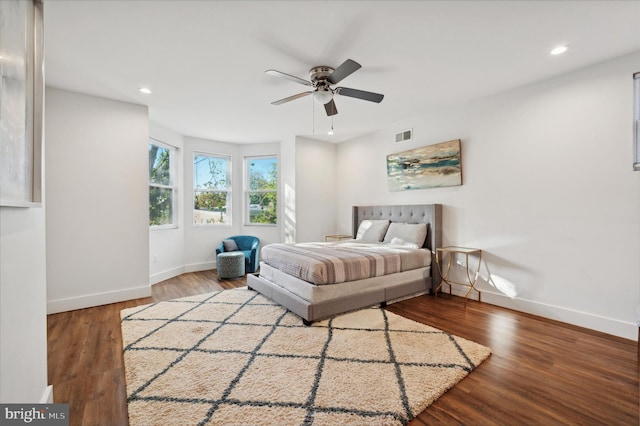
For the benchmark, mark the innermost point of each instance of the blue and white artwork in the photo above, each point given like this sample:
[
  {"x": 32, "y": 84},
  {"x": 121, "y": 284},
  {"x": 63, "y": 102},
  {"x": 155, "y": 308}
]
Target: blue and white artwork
[{"x": 427, "y": 167}]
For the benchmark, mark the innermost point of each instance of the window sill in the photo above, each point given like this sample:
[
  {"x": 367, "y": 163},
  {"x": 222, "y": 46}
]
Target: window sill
[{"x": 162, "y": 227}]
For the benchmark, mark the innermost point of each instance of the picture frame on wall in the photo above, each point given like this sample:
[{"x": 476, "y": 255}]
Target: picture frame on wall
[
  {"x": 21, "y": 102},
  {"x": 430, "y": 166}
]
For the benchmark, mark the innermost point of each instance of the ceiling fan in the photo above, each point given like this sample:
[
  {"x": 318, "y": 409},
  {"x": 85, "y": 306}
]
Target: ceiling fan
[{"x": 322, "y": 78}]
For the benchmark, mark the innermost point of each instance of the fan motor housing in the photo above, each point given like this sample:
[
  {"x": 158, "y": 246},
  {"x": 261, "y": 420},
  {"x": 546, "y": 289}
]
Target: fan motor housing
[{"x": 320, "y": 73}]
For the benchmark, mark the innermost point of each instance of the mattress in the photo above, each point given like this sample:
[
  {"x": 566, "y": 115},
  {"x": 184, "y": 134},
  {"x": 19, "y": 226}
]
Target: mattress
[
  {"x": 342, "y": 261},
  {"x": 315, "y": 294}
]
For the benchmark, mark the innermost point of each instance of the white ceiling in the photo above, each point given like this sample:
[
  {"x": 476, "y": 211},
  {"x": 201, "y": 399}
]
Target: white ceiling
[{"x": 205, "y": 60}]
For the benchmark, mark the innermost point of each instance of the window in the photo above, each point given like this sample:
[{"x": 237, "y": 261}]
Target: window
[
  {"x": 636, "y": 122},
  {"x": 212, "y": 189},
  {"x": 261, "y": 199},
  {"x": 162, "y": 184}
]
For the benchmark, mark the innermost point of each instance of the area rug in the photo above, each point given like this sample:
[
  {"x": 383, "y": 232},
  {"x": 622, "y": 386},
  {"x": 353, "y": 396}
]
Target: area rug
[{"x": 236, "y": 358}]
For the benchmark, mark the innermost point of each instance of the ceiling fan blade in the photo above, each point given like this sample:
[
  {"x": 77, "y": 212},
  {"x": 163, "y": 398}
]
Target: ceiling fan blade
[
  {"x": 347, "y": 68},
  {"x": 330, "y": 108},
  {"x": 360, "y": 94},
  {"x": 291, "y": 98},
  {"x": 276, "y": 73}
]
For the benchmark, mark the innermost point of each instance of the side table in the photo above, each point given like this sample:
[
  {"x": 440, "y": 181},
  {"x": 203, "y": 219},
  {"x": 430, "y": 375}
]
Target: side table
[{"x": 451, "y": 252}]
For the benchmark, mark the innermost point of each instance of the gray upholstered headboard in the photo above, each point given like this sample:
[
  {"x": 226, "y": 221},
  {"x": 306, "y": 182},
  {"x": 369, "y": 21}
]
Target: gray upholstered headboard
[{"x": 431, "y": 214}]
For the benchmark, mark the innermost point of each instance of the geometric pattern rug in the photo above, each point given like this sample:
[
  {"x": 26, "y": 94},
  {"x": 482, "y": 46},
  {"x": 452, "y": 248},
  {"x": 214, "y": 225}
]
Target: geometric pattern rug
[{"x": 236, "y": 357}]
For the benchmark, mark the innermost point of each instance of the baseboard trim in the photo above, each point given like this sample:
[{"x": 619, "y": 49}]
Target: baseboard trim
[
  {"x": 197, "y": 267},
  {"x": 179, "y": 270},
  {"x": 558, "y": 313},
  {"x": 165, "y": 275},
  {"x": 47, "y": 395},
  {"x": 97, "y": 299}
]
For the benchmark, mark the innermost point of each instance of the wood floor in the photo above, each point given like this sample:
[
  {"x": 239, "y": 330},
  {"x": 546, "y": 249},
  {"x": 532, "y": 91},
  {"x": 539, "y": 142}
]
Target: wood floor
[{"x": 541, "y": 372}]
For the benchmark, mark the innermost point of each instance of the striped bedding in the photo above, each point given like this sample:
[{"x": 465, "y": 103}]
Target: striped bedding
[{"x": 341, "y": 261}]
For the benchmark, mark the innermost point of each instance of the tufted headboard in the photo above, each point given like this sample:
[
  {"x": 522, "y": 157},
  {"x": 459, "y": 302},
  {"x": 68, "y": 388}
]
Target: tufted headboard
[{"x": 431, "y": 214}]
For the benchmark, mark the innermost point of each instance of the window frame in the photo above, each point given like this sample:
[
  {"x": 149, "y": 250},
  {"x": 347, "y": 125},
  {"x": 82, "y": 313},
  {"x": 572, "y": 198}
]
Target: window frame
[
  {"x": 636, "y": 121},
  {"x": 173, "y": 185},
  {"x": 229, "y": 189},
  {"x": 248, "y": 191}
]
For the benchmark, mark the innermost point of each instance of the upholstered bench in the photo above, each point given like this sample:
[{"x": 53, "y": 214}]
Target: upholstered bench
[{"x": 230, "y": 264}]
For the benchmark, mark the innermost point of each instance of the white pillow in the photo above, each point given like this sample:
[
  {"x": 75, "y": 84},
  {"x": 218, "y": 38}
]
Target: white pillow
[
  {"x": 372, "y": 230},
  {"x": 413, "y": 233},
  {"x": 400, "y": 242}
]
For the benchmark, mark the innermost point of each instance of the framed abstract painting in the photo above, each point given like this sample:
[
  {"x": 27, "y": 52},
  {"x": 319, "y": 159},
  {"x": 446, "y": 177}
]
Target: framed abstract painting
[{"x": 427, "y": 167}]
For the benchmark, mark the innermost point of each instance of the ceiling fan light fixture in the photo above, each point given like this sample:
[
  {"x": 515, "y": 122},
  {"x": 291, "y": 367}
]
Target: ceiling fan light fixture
[{"x": 322, "y": 96}]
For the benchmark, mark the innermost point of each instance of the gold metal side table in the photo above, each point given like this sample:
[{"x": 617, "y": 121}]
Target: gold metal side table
[{"x": 451, "y": 252}]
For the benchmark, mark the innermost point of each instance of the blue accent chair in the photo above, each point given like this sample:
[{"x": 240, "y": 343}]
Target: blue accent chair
[{"x": 250, "y": 246}]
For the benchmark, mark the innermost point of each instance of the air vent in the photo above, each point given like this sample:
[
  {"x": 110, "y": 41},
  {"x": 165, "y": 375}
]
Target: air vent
[{"x": 405, "y": 135}]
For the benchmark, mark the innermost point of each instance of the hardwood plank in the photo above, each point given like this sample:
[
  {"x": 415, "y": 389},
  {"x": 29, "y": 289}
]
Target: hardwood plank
[{"x": 540, "y": 372}]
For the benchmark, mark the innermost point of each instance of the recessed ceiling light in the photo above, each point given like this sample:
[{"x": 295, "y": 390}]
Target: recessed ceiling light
[
  {"x": 145, "y": 90},
  {"x": 559, "y": 50}
]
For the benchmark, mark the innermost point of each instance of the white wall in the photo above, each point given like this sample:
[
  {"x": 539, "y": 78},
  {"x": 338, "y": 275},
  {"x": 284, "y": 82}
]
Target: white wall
[
  {"x": 23, "y": 293},
  {"x": 548, "y": 193},
  {"x": 166, "y": 246},
  {"x": 316, "y": 189},
  {"x": 97, "y": 200}
]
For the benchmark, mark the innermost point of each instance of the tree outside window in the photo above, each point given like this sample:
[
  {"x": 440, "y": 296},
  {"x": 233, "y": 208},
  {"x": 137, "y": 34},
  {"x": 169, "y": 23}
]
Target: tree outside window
[
  {"x": 161, "y": 184},
  {"x": 212, "y": 189},
  {"x": 262, "y": 190}
]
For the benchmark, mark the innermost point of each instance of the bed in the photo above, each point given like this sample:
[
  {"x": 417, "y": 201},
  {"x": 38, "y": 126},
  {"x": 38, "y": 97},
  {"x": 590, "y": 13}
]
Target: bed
[{"x": 390, "y": 271}]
